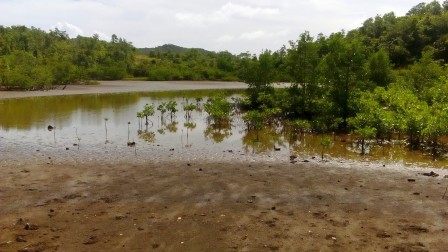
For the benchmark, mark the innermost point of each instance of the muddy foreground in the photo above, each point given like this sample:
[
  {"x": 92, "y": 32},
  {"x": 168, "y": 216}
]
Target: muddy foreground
[{"x": 212, "y": 206}]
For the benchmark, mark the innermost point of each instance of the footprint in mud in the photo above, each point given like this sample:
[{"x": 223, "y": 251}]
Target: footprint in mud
[
  {"x": 37, "y": 247},
  {"x": 420, "y": 247},
  {"x": 415, "y": 229},
  {"x": 320, "y": 215}
]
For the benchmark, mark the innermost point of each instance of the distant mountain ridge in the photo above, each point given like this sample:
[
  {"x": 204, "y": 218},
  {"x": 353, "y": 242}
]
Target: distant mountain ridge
[{"x": 169, "y": 48}]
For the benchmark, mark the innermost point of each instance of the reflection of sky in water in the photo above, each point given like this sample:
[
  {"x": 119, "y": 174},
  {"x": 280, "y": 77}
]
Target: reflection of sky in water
[{"x": 24, "y": 134}]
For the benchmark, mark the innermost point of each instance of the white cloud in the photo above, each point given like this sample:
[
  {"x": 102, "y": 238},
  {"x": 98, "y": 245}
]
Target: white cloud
[
  {"x": 226, "y": 13},
  {"x": 233, "y": 25},
  {"x": 71, "y": 29},
  {"x": 230, "y": 9}
]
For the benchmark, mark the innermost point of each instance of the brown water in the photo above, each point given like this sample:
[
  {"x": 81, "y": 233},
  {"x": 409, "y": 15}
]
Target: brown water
[{"x": 80, "y": 134}]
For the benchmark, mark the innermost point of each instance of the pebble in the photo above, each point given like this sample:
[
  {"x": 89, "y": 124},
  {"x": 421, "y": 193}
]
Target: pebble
[
  {"x": 91, "y": 240},
  {"x": 20, "y": 238}
]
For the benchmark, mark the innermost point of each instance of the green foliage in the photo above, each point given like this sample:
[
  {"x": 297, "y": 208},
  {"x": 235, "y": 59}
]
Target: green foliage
[
  {"x": 218, "y": 108},
  {"x": 325, "y": 142},
  {"x": 34, "y": 59},
  {"x": 148, "y": 111}
]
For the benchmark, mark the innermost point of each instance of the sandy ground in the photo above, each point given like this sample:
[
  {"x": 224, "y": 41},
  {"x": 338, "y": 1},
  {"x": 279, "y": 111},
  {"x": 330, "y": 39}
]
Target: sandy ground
[
  {"x": 125, "y": 86},
  {"x": 220, "y": 205}
]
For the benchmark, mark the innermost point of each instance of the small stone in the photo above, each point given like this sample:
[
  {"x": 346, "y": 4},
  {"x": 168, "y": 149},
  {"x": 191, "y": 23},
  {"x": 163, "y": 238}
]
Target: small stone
[
  {"x": 411, "y": 180},
  {"x": 91, "y": 240},
  {"x": 188, "y": 164},
  {"x": 29, "y": 226},
  {"x": 273, "y": 208},
  {"x": 200, "y": 169},
  {"x": 306, "y": 161},
  {"x": 140, "y": 229},
  {"x": 430, "y": 174},
  {"x": 416, "y": 193},
  {"x": 67, "y": 148},
  {"x": 20, "y": 238}
]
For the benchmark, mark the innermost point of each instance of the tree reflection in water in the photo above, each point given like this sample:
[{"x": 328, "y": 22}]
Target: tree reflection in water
[
  {"x": 218, "y": 132},
  {"x": 263, "y": 140}
]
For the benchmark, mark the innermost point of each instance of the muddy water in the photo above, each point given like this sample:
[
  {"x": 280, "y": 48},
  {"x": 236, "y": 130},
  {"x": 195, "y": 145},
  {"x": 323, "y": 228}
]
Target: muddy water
[{"x": 98, "y": 127}]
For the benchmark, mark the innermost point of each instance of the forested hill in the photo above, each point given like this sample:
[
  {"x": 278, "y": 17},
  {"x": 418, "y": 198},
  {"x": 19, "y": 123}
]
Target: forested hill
[
  {"x": 168, "y": 48},
  {"x": 31, "y": 58}
]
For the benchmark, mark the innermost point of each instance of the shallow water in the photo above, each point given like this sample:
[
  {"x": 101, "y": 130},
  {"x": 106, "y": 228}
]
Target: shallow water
[{"x": 80, "y": 134}]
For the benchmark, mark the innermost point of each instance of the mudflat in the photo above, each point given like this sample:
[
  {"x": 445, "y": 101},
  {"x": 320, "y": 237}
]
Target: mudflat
[
  {"x": 125, "y": 86},
  {"x": 202, "y": 204},
  {"x": 219, "y": 206}
]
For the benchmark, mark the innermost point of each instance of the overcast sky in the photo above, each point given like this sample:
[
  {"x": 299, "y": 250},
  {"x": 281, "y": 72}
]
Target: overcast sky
[{"x": 218, "y": 25}]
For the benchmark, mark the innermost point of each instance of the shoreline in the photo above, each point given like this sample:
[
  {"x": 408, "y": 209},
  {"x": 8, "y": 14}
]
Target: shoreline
[{"x": 107, "y": 87}]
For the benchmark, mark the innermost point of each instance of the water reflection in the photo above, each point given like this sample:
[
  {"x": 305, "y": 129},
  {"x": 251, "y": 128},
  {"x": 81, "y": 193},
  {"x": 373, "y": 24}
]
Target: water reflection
[
  {"x": 218, "y": 131},
  {"x": 263, "y": 140},
  {"x": 106, "y": 123}
]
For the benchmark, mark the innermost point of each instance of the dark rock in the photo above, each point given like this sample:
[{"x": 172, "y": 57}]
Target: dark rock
[
  {"x": 20, "y": 222},
  {"x": 188, "y": 164},
  {"x": 411, "y": 180},
  {"x": 172, "y": 149},
  {"x": 416, "y": 193},
  {"x": 306, "y": 161},
  {"x": 131, "y": 144},
  {"x": 273, "y": 208},
  {"x": 50, "y": 128},
  {"x": 67, "y": 148},
  {"x": 20, "y": 238},
  {"x": 200, "y": 169},
  {"x": 91, "y": 240},
  {"x": 383, "y": 235},
  {"x": 29, "y": 226},
  {"x": 430, "y": 174}
]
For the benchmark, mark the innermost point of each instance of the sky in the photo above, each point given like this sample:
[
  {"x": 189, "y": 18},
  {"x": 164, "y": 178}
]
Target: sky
[{"x": 217, "y": 25}]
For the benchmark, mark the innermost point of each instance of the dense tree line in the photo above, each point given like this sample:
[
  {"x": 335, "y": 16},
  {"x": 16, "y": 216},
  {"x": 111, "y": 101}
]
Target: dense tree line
[
  {"x": 385, "y": 80},
  {"x": 34, "y": 59}
]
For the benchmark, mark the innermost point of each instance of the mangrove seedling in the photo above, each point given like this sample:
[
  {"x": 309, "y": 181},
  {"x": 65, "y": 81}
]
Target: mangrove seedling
[
  {"x": 148, "y": 111},
  {"x": 129, "y": 123},
  {"x": 188, "y": 109},
  {"x": 171, "y": 106},
  {"x": 105, "y": 126},
  {"x": 325, "y": 142},
  {"x": 140, "y": 119}
]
